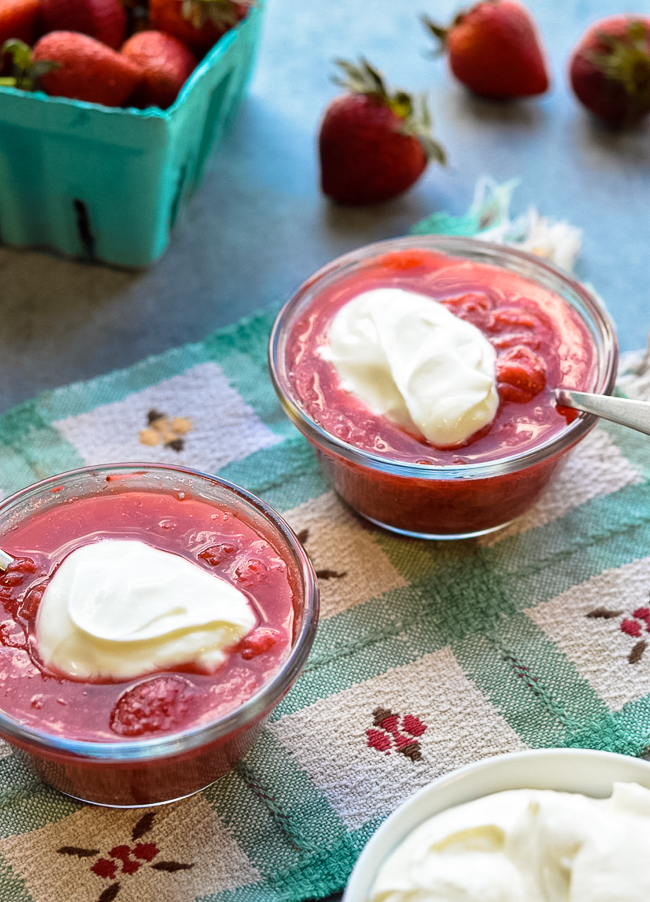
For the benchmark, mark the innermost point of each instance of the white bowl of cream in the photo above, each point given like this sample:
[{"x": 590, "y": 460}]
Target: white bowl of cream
[{"x": 551, "y": 825}]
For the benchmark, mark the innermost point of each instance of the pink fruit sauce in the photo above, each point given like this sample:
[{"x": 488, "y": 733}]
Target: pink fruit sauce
[
  {"x": 540, "y": 342},
  {"x": 547, "y": 332},
  {"x": 154, "y": 706},
  {"x": 217, "y": 542}
]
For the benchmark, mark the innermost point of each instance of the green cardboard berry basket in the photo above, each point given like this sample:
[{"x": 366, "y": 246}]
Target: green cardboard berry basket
[{"x": 108, "y": 184}]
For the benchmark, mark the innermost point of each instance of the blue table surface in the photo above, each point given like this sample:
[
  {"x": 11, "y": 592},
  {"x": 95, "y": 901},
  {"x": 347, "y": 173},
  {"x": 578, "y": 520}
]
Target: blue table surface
[{"x": 259, "y": 225}]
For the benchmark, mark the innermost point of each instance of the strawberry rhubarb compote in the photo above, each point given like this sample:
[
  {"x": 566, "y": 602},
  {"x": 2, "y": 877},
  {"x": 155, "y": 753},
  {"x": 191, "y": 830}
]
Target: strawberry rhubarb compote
[
  {"x": 135, "y": 615},
  {"x": 423, "y": 370}
]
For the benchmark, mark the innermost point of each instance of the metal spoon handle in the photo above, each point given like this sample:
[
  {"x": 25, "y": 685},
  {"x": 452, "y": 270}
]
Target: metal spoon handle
[
  {"x": 635, "y": 414},
  {"x": 5, "y": 559}
]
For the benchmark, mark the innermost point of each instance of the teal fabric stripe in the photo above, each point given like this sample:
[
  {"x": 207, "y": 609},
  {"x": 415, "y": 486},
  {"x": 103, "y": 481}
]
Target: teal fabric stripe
[
  {"x": 250, "y": 822},
  {"x": 319, "y": 875},
  {"x": 82, "y": 397},
  {"x": 15, "y": 472},
  {"x": 634, "y": 722},
  {"x": 338, "y": 867},
  {"x": 285, "y": 476},
  {"x": 288, "y": 818},
  {"x": 511, "y": 695},
  {"x": 30, "y": 449},
  {"x": 251, "y": 380},
  {"x": 573, "y": 699},
  {"x": 241, "y": 351},
  {"x": 466, "y": 593},
  {"x": 414, "y": 559},
  {"x": 521, "y": 672},
  {"x": 248, "y": 336},
  {"x": 604, "y": 532},
  {"x": 363, "y": 643},
  {"x": 617, "y": 732},
  {"x": 252, "y": 892},
  {"x": 25, "y": 802},
  {"x": 302, "y": 488},
  {"x": 13, "y": 886}
]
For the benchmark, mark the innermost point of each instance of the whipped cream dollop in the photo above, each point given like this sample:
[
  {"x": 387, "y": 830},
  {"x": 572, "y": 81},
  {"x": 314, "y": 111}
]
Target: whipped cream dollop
[
  {"x": 121, "y": 608},
  {"x": 408, "y": 358},
  {"x": 527, "y": 846}
]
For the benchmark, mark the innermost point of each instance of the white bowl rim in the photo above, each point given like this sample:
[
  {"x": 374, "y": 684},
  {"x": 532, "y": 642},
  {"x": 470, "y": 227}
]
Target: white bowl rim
[{"x": 587, "y": 771}]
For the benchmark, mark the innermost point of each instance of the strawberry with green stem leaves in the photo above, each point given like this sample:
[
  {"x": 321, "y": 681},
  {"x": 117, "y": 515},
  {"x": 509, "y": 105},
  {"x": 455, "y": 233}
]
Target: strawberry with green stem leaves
[
  {"x": 373, "y": 144},
  {"x": 609, "y": 69},
  {"x": 26, "y": 73},
  {"x": 494, "y": 49},
  {"x": 87, "y": 69},
  {"x": 197, "y": 23}
]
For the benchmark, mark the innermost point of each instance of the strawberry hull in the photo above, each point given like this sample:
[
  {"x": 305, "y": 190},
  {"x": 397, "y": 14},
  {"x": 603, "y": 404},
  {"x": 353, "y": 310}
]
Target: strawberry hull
[{"x": 109, "y": 185}]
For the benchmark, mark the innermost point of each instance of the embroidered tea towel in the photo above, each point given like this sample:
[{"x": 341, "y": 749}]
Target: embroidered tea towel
[{"x": 429, "y": 655}]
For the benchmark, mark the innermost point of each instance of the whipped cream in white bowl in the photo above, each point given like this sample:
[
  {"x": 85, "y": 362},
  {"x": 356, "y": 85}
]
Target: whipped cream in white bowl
[{"x": 592, "y": 774}]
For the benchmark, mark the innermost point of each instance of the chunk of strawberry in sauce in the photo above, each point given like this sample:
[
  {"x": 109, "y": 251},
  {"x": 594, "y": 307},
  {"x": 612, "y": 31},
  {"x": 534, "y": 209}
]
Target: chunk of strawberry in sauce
[
  {"x": 521, "y": 374},
  {"x": 218, "y": 554},
  {"x": 13, "y": 578},
  {"x": 474, "y": 307},
  {"x": 156, "y": 705},
  {"x": 257, "y": 642}
]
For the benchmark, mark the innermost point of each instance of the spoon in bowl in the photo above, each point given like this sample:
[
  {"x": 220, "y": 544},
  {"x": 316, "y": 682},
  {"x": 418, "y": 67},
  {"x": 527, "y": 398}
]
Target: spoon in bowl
[
  {"x": 5, "y": 559},
  {"x": 625, "y": 412}
]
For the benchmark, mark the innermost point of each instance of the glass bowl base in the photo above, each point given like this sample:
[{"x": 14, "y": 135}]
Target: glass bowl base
[
  {"x": 433, "y": 535},
  {"x": 135, "y": 805}
]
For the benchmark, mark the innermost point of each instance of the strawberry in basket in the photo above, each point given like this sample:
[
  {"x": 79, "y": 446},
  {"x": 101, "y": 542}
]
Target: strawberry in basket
[
  {"x": 197, "y": 23},
  {"x": 85, "y": 69},
  {"x": 166, "y": 64},
  {"x": 104, "y": 20},
  {"x": 18, "y": 19}
]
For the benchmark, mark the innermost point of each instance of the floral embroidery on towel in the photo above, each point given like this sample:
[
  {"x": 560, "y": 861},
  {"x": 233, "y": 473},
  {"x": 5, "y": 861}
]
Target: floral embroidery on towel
[
  {"x": 125, "y": 859},
  {"x": 633, "y": 626},
  {"x": 396, "y": 732},
  {"x": 164, "y": 430}
]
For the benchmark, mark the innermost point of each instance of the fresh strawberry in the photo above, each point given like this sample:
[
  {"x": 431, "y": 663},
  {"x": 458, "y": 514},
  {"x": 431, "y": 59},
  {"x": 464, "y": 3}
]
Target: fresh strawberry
[
  {"x": 166, "y": 63},
  {"x": 87, "y": 69},
  {"x": 104, "y": 20},
  {"x": 20, "y": 70},
  {"x": 197, "y": 23},
  {"x": 609, "y": 69},
  {"x": 19, "y": 19},
  {"x": 373, "y": 145},
  {"x": 494, "y": 50}
]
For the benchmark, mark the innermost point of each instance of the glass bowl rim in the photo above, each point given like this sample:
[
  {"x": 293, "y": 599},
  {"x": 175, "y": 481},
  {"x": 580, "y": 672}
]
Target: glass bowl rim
[
  {"x": 244, "y": 715},
  {"x": 607, "y": 359}
]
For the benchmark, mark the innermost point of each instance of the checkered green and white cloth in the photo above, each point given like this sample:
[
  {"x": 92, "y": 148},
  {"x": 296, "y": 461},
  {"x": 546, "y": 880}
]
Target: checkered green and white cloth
[{"x": 429, "y": 655}]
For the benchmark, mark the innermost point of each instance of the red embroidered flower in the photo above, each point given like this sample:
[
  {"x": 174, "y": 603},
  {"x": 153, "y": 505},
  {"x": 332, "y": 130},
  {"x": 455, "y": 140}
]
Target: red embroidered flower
[
  {"x": 395, "y": 732},
  {"x": 125, "y": 859},
  {"x": 631, "y": 627}
]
